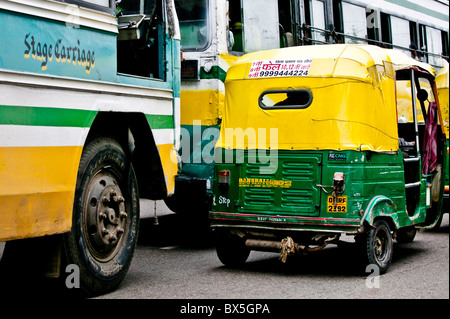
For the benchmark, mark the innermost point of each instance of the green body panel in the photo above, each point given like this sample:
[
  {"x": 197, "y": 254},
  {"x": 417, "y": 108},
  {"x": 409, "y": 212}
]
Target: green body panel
[
  {"x": 295, "y": 195},
  {"x": 216, "y": 73}
]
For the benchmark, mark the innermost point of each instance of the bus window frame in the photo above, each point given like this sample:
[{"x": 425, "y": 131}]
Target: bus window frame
[
  {"x": 347, "y": 35},
  {"x": 209, "y": 23},
  {"x": 82, "y": 3}
]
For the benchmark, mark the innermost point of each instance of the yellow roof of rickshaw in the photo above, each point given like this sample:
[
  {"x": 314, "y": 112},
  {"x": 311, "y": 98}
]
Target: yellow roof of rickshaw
[
  {"x": 353, "y": 98},
  {"x": 334, "y": 60}
]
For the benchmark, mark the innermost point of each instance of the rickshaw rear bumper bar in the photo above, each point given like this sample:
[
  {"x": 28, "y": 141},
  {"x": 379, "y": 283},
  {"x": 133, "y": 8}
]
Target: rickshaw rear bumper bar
[{"x": 219, "y": 219}]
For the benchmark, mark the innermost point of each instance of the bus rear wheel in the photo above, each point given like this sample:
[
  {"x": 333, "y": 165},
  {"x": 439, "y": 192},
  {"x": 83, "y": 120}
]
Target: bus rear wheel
[{"x": 105, "y": 217}]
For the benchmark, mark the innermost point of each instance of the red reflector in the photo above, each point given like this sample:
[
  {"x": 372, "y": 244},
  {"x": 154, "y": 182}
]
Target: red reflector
[
  {"x": 224, "y": 173},
  {"x": 224, "y": 177}
]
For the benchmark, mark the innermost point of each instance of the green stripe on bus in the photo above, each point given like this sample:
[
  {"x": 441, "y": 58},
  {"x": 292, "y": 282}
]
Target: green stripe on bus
[
  {"x": 215, "y": 73},
  {"x": 57, "y": 117},
  {"x": 45, "y": 116},
  {"x": 160, "y": 121}
]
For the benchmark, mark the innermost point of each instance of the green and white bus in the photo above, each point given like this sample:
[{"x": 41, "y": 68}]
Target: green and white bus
[{"x": 89, "y": 123}]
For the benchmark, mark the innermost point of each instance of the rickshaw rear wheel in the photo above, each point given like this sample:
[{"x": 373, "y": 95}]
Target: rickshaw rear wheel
[
  {"x": 231, "y": 249},
  {"x": 406, "y": 235},
  {"x": 379, "y": 246}
]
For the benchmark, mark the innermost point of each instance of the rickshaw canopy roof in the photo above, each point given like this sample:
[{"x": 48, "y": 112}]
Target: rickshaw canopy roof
[
  {"x": 338, "y": 60},
  {"x": 352, "y": 89}
]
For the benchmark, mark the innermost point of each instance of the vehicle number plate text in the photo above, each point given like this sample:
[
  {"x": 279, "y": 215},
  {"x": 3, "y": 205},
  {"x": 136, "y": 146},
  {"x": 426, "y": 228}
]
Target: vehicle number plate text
[{"x": 341, "y": 204}]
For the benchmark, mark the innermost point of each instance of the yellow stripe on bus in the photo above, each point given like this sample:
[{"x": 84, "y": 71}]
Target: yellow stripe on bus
[
  {"x": 34, "y": 215},
  {"x": 37, "y": 190},
  {"x": 206, "y": 106},
  {"x": 169, "y": 162},
  {"x": 38, "y": 187}
]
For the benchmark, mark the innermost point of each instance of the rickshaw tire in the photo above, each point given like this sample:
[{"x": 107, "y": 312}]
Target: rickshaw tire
[
  {"x": 379, "y": 246},
  {"x": 231, "y": 249},
  {"x": 406, "y": 235}
]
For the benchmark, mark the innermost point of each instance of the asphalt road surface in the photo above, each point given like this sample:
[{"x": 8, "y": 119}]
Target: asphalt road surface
[{"x": 173, "y": 261}]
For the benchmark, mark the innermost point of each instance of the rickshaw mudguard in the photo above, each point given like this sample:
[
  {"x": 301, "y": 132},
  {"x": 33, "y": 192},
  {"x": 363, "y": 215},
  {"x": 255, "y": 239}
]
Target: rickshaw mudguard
[{"x": 380, "y": 206}]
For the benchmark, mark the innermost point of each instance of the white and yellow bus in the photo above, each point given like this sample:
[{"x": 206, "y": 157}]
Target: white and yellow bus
[{"x": 89, "y": 123}]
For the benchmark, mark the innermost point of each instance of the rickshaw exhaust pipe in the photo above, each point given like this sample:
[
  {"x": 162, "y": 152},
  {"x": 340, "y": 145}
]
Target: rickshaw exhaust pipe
[
  {"x": 276, "y": 246},
  {"x": 286, "y": 244},
  {"x": 263, "y": 245}
]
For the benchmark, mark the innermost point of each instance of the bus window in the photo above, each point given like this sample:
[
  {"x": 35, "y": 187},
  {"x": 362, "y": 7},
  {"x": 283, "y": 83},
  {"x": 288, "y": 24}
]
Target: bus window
[
  {"x": 100, "y": 5},
  {"x": 445, "y": 44},
  {"x": 261, "y": 31},
  {"x": 104, "y": 3},
  {"x": 355, "y": 27},
  {"x": 318, "y": 21},
  {"x": 140, "y": 45},
  {"x": 401, "y": 33},
  {"x": 386, "y": 35},
  {"x": 434, "y": 40},
  {"x": 262, "y": 25},
  {"x": 422, "y": 43},
  {"x": 373, "y": 25},
  {"x": 236, "y": 24},
  {"x": 414, "y": 37},
  {"x": 288, "y": 20},
  {"x": 194, "y": 24}
]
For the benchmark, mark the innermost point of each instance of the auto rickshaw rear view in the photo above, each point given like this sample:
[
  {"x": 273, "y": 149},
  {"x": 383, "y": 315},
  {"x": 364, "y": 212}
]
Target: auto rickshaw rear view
[{"x": 320, "y": 141}]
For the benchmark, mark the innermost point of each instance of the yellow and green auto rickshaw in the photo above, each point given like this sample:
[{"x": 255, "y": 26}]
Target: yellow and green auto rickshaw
[{"x": 320, "y": 141}]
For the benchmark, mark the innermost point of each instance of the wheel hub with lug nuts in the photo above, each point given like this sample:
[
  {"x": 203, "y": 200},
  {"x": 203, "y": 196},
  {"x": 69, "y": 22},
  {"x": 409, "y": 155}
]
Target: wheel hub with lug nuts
[{"x": 106, "y": 218}]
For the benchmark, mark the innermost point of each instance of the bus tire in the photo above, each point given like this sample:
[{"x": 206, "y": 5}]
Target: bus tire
[
  {"x": 379, "y": 246},
  {"x": 105, "y": 218}
]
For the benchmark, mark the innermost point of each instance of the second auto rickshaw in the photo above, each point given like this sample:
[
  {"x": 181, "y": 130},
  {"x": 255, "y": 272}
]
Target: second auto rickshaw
[{"x": 320, "y": 141}]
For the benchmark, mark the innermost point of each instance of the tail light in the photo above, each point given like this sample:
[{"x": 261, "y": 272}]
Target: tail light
[
  {"x": 224, "y": 178},
  {"x": 338, "y": 182},
  {"x": 338, "y": 187}
]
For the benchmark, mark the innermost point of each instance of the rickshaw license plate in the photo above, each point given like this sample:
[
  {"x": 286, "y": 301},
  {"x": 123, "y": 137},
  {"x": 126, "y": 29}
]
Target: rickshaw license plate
[{"x": 341, "y": 204}]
